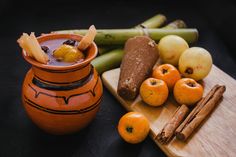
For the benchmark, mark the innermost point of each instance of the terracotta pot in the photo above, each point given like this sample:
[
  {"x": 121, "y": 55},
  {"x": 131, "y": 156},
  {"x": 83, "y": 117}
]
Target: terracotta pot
[{"x": 62, "y": 99}]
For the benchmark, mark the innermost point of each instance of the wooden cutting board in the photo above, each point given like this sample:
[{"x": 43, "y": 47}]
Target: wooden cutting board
[{"x": 217, "y": 135}]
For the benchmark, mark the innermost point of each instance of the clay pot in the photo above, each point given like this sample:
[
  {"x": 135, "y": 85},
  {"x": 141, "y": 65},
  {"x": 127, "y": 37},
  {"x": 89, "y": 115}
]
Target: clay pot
[{"x": 62, "y": 99}]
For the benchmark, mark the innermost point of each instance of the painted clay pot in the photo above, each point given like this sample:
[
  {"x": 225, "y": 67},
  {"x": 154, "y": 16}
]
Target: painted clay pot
[{"x": 62, "y": 99}]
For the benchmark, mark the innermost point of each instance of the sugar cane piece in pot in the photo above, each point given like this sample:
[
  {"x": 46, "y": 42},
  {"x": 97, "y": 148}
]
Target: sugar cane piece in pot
[{"x": 32, "y": 48}]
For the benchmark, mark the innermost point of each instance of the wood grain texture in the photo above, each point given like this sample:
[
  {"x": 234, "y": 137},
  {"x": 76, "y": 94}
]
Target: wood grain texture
[{"x": 217, "y": 134}]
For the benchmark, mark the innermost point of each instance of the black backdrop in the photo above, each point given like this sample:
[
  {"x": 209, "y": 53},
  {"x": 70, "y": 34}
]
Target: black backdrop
[{"x": 20, "y": 137}]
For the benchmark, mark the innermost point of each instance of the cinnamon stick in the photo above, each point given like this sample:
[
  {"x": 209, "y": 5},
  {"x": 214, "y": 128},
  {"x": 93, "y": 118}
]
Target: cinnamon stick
[
  {"x": 200, "y": 112},
  {"x": 168, "y": 130}
]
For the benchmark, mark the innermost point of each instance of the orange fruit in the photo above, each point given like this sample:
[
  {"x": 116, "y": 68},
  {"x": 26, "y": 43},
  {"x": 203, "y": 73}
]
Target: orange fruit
[
  {"x": 154, "y": 91},
  {"x": 68, "y": 53},
  {"x": 133, "y": 127},
  {"x": 187, "y": 91},
  {"x": 167, "y": 73}
]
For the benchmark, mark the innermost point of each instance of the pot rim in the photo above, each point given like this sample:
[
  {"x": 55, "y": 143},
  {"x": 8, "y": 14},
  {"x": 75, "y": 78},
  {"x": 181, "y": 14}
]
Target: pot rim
[{"x": 45, "y": 37}]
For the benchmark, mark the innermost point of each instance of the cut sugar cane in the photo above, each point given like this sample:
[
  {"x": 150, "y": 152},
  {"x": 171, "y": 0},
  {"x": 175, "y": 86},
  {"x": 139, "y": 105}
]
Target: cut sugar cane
[
  {"x": 23, "y": 42},
  {"x": 31, "y": 45},
  {"x": 175, "y": 25},
  {"x": 154, "y": 22},
  {"x": 120, "y": 36},
  {"x": 88, "y": 38},
  {"x": 37, "y": 52}
]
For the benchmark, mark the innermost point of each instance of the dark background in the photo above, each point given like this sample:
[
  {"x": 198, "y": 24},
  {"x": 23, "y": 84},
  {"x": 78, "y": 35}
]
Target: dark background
[{"x": 215, "y": 21}]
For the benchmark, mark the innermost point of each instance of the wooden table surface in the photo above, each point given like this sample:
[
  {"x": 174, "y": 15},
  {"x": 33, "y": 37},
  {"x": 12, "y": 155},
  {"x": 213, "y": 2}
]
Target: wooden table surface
[{"x": 215, "y": 137}]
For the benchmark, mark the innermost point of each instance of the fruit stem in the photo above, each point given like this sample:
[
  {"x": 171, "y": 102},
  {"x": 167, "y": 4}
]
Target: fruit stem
[
  {"x": 191, "y": 84},
  {"x": 153, "y": 82},
  {"x": 164, "y": 71},
  {"x": 189, "y": 71},
  {"x": 129, "y": 129}
]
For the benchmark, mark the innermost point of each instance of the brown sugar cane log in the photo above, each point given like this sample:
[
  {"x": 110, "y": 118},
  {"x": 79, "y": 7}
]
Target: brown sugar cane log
[
  {"x": 139, "y": 58},
  {"x": 200, "y": 112},
  {"x": 168, "y": 130}
]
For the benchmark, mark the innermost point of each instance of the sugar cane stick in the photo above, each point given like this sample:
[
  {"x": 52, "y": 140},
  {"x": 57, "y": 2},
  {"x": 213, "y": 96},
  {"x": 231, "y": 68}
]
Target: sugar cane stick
[
  {"x": 36, "y": 50},
  {"x": 88, "y": 38},
  {"x": 172, "y": 25},
  {"x": 120, "y": 36},
  {"x": 32, "y": 47},
  {"x": 23, "y": 42},
  {"x": 153, "y": 22},
  {"x": 104, "y": 49},
  {"x": 108, "y": 61}
]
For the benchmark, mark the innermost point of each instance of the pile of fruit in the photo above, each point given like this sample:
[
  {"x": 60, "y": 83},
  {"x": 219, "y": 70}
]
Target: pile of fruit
[
  {"x": 180, "y": 72},
  {"x": 181, "y": 69},
  {"x": 193, "y": 63}
]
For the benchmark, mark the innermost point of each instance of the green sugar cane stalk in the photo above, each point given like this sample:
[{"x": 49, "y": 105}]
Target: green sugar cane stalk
[
  {"x": 153, "y": 22},
  {"x": 108, "y": 61},
  {"x": 120, "y": 36}
]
